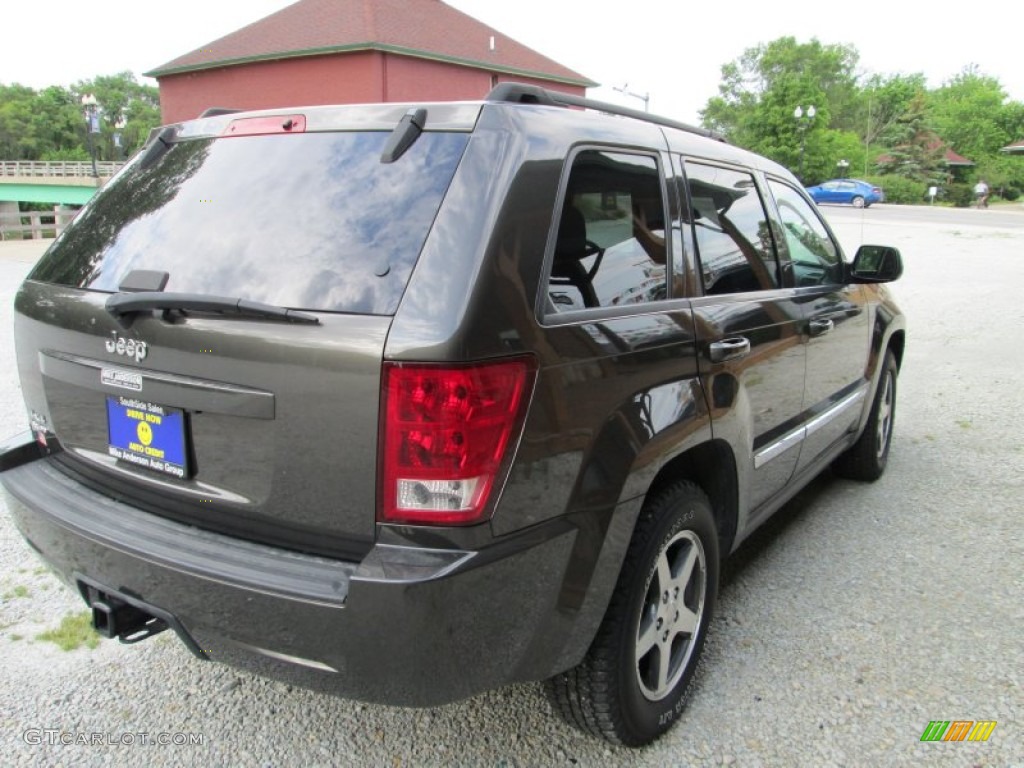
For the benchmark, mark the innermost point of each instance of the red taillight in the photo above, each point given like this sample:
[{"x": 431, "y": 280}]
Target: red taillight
[{"x": 446, "y": 432}]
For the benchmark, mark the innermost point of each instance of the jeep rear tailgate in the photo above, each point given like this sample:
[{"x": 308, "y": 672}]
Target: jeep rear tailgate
[{"x": 260, "y": 427}]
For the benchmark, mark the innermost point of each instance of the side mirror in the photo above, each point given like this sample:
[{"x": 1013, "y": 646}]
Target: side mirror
[{"x": 876, "y": 264}]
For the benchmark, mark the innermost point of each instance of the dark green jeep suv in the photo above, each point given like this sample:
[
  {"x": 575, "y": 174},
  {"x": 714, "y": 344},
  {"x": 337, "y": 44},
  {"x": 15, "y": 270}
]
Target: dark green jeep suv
[{"x": 409, "y": 402}]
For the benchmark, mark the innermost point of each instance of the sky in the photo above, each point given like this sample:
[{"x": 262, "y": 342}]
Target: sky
[{"x": 671, "y": 51}]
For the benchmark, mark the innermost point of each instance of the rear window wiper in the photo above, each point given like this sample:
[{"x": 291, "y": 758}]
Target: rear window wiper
[{"x": 125, "y": 305}]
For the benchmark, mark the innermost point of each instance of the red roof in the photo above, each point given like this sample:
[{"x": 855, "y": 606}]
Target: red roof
[
  {"x": 419, "y": 28},
  {"x": 952, "y": 158},
  {"x": 948, "y": 155},
  {"x": 1017, "y": 146}
]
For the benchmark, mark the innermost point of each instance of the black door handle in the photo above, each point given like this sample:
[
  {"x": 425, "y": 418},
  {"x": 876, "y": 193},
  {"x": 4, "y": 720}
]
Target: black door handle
[
  {"x": 821, "y": 327},
  {"x": 728, "y": 349}
]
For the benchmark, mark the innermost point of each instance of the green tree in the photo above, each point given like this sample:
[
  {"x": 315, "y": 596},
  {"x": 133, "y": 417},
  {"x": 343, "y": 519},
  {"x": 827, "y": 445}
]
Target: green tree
[
  {"x": 884, "y": 100},
  {"x": 50, "y": 124},
  {"x": 17, "y": 138},
  {"x": 1003, "y": 174},
  {"x": 837, "y": 146},
  {"x": 971, "y": 113},
  {"x": 761, "y": 89},
  {"x": 122, "y": 97},
  {"x": 914, "y": 149},
  {"x": 1011, "y": 120},
  {"x": 895, "y": 117},
  {"x": 811, "y": 70},
  {"x": 57, "y": 122}
]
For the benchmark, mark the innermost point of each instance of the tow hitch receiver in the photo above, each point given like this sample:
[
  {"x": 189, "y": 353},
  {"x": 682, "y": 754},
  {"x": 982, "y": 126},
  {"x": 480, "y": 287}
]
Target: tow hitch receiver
[
  {"x": 113, "y": 618},
  {"x": 120, "y": 614}
]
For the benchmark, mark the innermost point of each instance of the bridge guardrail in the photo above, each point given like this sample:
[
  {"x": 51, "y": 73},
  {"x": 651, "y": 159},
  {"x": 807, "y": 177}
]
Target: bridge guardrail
[
  {"x": 57, "y": 168},
  {"x": 40, "y": 224}
]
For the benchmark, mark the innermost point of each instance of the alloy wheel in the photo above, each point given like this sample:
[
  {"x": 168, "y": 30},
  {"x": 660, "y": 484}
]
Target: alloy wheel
[
  {"x": 672, "y": 615},
  {"x": 884, "y": 432}
]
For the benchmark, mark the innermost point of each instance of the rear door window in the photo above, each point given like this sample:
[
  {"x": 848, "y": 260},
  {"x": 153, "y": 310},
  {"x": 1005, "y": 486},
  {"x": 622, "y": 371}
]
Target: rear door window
[{"x": 308, "y": 221}]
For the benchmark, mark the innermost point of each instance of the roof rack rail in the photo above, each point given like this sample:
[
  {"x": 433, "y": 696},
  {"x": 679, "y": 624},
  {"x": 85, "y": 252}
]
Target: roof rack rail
[
  {"x": 520, "y": 93},
  {"x": 215, "y": 111}
]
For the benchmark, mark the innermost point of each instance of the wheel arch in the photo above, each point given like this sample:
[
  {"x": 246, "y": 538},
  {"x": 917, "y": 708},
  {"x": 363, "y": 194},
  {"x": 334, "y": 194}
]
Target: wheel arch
[
  {"x": 897, "y": 343},
  {"x": 712, "y": 467}
]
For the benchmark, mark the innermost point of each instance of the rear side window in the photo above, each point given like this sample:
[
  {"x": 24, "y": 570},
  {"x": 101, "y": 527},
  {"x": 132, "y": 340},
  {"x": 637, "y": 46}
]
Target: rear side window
[
  {"x": 734, "y": 240},
  {"x": 611, "y": 247},
  {"x": 307, "y": 221}
]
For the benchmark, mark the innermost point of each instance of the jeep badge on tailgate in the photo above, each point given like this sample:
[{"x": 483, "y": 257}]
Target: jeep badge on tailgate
[{"x": 128, "y": 347}]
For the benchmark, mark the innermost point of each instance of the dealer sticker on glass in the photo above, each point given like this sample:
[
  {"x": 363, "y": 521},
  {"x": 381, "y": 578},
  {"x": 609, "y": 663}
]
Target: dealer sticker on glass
[{"x": 151, "y": 436}]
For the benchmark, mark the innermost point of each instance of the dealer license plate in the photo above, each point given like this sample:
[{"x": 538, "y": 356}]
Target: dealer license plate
[{"x": 148, "y": 435}]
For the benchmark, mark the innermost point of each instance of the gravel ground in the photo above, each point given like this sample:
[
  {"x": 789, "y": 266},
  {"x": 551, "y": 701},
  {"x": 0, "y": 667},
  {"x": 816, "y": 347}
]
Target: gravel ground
[{"x": 854, "y": 617}]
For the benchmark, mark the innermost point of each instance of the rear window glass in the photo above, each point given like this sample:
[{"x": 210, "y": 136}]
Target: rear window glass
[{"x": 312, "y": 221}]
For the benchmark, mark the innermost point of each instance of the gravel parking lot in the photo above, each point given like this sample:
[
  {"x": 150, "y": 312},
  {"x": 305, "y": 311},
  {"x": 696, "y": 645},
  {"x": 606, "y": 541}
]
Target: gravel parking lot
[{"x": 852, "y": 619}]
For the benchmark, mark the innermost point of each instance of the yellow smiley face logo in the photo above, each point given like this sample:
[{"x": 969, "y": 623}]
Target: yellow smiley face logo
[{"x": 145, "y": 433}]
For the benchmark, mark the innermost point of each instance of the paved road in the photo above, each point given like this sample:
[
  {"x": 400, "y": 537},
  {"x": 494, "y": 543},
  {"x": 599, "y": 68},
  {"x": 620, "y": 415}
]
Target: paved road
[
  {"x": 998, "y": 216},
  {"x": 852, "y": 619}
]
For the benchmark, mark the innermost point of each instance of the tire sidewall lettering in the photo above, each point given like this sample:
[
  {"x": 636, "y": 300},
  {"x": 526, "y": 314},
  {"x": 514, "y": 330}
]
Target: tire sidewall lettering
[{"x": 660, "y": 715}]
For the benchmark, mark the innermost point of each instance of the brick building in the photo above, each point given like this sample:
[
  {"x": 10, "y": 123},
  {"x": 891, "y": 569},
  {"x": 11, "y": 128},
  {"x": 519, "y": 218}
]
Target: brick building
[{"x": 353, "y": 51}]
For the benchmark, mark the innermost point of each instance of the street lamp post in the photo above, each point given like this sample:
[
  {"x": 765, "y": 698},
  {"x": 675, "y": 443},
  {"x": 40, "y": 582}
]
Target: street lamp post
[
  {"x": 92, "y": 125},
  {"x": 803, "y": 120},
  {"x": 644, "y": 97},
  {"x": 118, "y": 131}
]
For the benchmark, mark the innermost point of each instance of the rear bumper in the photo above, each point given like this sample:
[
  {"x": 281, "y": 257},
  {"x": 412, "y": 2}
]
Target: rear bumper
[{"x": 406, "y": 626}]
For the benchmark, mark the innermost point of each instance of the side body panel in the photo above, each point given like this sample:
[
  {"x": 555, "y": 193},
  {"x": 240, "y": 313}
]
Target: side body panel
[
  {"x": 617, "y": 393},
  {"x": 836, "y": 324},
  {"x": 755, "y": 400}
]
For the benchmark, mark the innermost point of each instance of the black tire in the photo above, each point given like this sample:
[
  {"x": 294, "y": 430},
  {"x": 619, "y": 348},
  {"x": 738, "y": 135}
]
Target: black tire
[
  {"x": 866, "y": 459},
  {"x": 619, "y": 692},
  {"x": 857, "y": 201}
]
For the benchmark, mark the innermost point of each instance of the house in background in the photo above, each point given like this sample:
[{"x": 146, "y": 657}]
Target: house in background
[
  {"x": 353, "y": 51},
  {"x": 934, "y": 151},
  {"x": 953, "y": 160}
]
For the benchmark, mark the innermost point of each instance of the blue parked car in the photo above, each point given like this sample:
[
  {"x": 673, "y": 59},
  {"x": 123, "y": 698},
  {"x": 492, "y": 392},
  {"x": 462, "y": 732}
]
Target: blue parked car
[{"x": 854, "y": 192}]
